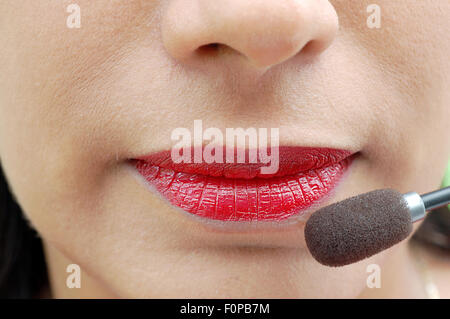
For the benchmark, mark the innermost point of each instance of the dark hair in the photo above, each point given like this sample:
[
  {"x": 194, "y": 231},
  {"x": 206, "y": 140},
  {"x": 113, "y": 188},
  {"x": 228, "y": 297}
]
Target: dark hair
[
  {"x": 435, "y": 229},
  {"x": 23, "y": 271}
]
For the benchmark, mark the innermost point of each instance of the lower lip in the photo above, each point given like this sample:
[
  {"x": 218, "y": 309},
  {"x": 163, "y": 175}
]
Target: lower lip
[{"x": 241, "y": 199}]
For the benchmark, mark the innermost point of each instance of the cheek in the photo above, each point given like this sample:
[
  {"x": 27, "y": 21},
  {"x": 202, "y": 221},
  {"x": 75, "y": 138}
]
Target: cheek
[
  {"x": 48, "y": 129},
  {"x": 411, "y": 49}
]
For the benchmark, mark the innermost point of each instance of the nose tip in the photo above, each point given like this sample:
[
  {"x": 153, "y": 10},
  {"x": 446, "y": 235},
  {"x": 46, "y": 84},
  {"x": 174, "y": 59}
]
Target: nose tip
[{"x": 266, "y": 32}]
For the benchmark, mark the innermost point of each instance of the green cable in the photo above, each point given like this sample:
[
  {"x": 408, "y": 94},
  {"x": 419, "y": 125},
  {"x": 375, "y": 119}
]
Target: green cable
[{"x": 446, "y": 181}]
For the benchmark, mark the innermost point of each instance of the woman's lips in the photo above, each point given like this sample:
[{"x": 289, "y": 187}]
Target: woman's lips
[{"x": 239, "y": 192}]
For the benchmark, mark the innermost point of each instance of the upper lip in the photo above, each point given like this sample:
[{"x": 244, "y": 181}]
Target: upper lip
[{"x": 292, "y": 160}]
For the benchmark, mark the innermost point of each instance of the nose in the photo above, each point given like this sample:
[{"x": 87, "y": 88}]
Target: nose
[{"x": 265, "y": 32}]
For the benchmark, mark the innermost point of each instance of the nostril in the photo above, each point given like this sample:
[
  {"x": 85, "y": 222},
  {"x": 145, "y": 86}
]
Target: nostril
[
  {"x": 309, "y": 47},
  {"x": 213, "y": 45},
  {"x": 313, "y": 47},
  {"x": 209, "y": 49}
]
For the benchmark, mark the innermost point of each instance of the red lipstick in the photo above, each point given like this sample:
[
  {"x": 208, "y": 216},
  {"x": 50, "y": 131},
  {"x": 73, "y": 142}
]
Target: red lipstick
[{"x": 239, "y": 192}]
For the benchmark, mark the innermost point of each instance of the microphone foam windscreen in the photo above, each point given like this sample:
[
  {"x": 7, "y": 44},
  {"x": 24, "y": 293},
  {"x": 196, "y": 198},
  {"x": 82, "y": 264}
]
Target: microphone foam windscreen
[{"x": 358, "y": 227}]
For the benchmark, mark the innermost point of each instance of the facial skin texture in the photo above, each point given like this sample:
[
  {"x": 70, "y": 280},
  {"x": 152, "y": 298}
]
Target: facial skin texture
[{"x": 76, "y": 104}]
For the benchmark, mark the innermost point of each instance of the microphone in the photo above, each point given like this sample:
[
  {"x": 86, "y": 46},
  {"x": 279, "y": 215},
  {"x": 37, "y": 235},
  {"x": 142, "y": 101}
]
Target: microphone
[{"x": 361, "y": 226}]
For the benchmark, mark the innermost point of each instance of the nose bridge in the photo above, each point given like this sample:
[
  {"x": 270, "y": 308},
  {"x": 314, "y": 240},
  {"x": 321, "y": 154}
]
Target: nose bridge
[{"x": 266, "y": 32}]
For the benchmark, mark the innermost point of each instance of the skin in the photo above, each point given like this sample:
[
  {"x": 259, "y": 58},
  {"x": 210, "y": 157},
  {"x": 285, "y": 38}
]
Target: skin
[{"x": 76, "y": 104}]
